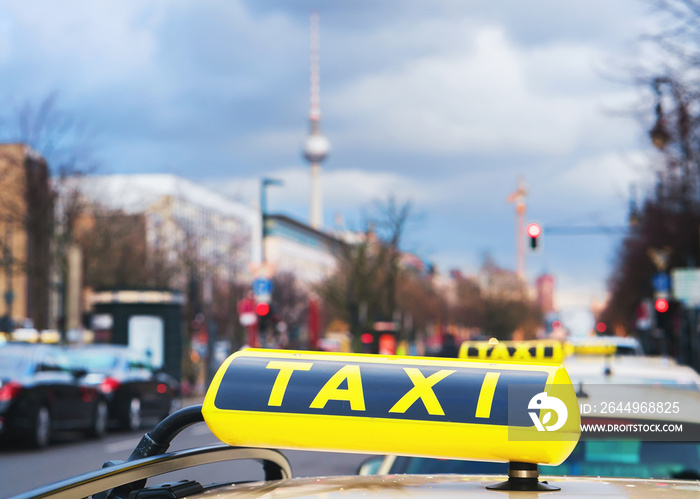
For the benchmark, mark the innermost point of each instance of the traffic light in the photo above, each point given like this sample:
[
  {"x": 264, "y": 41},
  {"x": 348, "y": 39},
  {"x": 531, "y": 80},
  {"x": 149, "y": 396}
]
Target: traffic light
[
  {"x": 661, "y": 305},
  {"x": 262, "y": 309},
  {"x": 533, "y": 232},
  {"x": 264, "y": 313}
]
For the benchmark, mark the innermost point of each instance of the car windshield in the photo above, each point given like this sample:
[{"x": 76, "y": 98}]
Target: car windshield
[
  {"x": 629, "y": 458},
  {"x": 632, "y": 458},
  {"x": 95, "y": 361}
]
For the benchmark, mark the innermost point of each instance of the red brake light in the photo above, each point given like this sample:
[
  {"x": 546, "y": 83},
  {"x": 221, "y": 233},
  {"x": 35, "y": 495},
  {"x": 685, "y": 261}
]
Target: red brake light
[
  {"x": 108, "y": 385},
  {"x": 9, "y": 390}
]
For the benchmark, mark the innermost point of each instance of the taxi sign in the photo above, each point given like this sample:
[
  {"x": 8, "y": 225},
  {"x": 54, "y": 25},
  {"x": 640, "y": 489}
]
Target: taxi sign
[
  {"x": 387, "y": 405},
  {"x": 522, "y": 351},
  {"x": 593, "y": 349}
]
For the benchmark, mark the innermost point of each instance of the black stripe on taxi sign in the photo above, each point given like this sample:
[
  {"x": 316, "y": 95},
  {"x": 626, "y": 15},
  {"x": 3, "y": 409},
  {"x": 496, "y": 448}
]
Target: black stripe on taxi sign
[{"x": 447, "y": 392}]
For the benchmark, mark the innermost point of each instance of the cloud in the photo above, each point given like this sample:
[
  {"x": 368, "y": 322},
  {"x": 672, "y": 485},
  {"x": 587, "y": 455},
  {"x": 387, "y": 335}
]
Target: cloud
[
  {"x": 606, "y": 176},
  {"x": 488, "y": 98},
  {"x": 104, "y": 40},
  {"x": 341, "y": 189}
]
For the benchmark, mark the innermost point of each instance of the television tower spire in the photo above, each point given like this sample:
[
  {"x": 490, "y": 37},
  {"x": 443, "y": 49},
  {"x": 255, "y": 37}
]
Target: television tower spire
[{"x": 316, "y": 146}]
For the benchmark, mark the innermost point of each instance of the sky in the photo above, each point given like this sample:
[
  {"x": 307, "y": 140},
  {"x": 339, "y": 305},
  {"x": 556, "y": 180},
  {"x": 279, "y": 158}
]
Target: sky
[{"x": 443, "y": 104}]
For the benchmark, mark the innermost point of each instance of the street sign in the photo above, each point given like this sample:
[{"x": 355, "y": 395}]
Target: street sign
[
  {"x": 246, "y": 312},
  {"x": 248, "y": 318},
  {"x": 686, "y": 286},
  {"x": 661, "y": 282},
  {"x": 643, "y": 314},
  {"x": 262, "y": 289}
]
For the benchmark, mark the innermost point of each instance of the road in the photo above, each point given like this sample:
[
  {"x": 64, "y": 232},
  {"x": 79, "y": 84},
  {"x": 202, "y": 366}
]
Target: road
[{"x": 23, "y": 469}]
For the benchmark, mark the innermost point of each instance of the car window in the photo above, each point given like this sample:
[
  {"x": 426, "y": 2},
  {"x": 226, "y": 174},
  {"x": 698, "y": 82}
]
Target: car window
[
  {"x": 13, "y": 363},
  {"x": 138, "y": 363},
  {"x": 630, "y": 458},
  {"x": 94, "y": 361}
]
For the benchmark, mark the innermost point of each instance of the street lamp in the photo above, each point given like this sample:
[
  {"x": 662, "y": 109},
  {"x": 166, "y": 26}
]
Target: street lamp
[
  {"x": 264, "y": 183},
  {"x": 659, "y": 134}
]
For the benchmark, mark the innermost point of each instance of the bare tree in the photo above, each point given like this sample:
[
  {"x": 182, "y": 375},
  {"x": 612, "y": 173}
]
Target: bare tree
[
  {"x": 66, "y": 145},
  {"x": 364, "y": 287}
]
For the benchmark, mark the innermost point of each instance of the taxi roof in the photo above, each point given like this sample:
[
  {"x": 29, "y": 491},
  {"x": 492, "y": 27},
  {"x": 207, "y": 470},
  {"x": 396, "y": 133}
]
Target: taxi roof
[{"x": 457, "y": 486}]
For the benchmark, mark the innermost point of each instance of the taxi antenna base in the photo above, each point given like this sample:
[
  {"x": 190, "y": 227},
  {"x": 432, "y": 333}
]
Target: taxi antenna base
[{"x": 523, "y": 477}]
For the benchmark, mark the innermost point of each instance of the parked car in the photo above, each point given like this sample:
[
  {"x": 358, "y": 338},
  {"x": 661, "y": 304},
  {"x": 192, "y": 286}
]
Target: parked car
[
  {"x": 40, "y": 393},
  {"x": 133, "y": 388}
]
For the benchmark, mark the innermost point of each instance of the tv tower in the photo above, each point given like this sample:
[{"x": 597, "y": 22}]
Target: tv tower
[
  {"x": 316, "y": 146},
  {"x": 518, "y": 197}
]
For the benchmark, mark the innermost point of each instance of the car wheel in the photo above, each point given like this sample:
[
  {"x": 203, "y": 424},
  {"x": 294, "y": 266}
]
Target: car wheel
[
  {"x": 41, "y": 431},
  {"x": 99, "y": 421},
  {"x": 133, "y": 415}
]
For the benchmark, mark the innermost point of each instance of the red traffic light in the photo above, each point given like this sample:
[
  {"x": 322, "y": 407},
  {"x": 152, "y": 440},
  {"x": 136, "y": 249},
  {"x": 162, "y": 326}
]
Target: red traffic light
[
  {"x": 262, "y": 309},
  {"x": 661, "y": 305},
  {"x": 601, "y": 327},
  {"x": 367, "y": 338},
  {"x": 534, "y": 230}
]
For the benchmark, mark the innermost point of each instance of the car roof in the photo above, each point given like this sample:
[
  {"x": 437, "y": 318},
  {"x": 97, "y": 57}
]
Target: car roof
[
  {"x": 26, "y": 348},
  {"x": 119, "y": 350},
  {"x": 448, "y": 486},
  {"x": 631, "y": 370}
]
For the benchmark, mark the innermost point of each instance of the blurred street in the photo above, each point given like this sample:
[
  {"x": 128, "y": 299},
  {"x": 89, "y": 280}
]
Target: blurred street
[{"x": 23, "y": 469}]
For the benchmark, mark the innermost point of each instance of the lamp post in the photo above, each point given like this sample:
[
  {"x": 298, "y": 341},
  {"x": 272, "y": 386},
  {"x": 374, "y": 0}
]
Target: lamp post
[
  {"x": 264, "y": 183},
  {"x": 660, "y": 134}
]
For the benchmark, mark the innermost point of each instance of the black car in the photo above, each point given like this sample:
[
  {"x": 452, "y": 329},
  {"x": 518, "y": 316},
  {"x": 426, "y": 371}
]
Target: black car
[
  {"x": 41, "y": 394},
  {"x": 134, "y": 389}
]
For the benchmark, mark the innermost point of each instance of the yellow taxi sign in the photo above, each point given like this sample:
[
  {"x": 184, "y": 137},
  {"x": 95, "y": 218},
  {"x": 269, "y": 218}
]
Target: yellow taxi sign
[
  {"x": 522, "y": 351},
  {"x": 387, "y": 405},
  {"x": 593, "y": 349}
]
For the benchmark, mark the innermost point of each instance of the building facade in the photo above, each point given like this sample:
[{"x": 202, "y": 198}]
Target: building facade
[
  {"x": 293, "y": 247},
  {"x": 26, "y": 227},
  {"x": 187, "y": 226}
]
